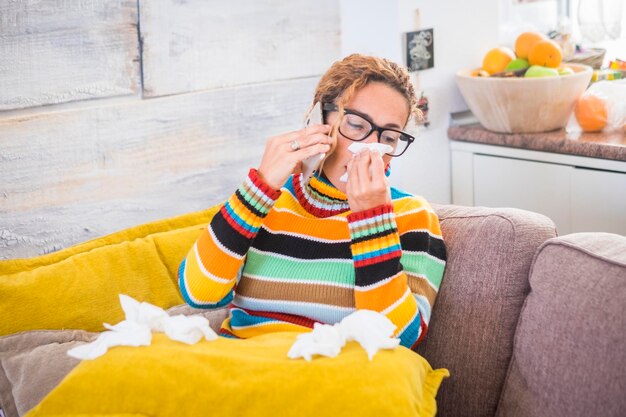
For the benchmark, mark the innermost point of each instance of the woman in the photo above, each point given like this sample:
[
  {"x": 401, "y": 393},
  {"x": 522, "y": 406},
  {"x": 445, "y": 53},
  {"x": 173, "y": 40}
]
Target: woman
[{"x": 287, "y": 252}]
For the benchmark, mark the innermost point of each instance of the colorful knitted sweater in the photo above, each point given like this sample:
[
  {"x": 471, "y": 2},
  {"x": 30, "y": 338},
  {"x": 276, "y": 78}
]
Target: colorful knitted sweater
[{"x": 287, "y": 259}]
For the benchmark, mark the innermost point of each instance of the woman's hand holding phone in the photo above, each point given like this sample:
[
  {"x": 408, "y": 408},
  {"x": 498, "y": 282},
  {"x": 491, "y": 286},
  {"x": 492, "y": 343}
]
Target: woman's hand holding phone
[
  {"x": 284, "y": 154},
  {"x": 313, "y": 163}
]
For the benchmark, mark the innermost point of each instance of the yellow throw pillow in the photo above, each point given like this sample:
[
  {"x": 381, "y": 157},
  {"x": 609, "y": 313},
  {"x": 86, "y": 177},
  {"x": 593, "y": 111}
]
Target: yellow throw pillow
[
  {"x": 252, "y": 377},
  {"x": 78, "y": 287}
]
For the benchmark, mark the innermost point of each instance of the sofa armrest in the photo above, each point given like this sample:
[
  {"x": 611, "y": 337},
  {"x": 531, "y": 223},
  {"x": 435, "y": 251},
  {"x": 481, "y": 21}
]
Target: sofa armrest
[
  {"x": 484, "y": 286},
  {"x": 569, "y": 355}
]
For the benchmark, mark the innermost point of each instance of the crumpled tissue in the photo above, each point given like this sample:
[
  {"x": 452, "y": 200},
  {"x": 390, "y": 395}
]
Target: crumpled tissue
[
  {"x": 372, "y": 330},
  {"x": 141, "y": 319},
  {"x": 357, "y": 147}
]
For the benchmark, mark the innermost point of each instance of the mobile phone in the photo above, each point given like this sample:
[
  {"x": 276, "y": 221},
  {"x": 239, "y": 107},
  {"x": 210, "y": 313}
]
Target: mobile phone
[{"x": 314, "y": 162}]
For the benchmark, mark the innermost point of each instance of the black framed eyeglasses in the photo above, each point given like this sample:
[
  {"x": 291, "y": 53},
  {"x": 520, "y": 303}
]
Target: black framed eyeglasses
[{"x": 356, "y": 127}]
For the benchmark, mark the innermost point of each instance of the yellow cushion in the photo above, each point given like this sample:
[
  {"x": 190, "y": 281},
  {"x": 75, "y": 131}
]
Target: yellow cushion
[
  {"x": 78, "y": 287},
  {"x": 252, "y": 377}
]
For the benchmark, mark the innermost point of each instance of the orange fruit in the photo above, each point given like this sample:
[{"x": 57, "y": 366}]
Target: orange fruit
[
  {"x": 545, "y": 53},
  {"x": 591, "y": 113},
  {"x": 497, "y": 59},
  {"x": 525, "y": 41}
]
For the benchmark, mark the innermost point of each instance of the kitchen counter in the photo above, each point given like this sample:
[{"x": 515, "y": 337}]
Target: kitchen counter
[
  {"x": 576, "y": 182},
  {"x": 594, "y": 145}
]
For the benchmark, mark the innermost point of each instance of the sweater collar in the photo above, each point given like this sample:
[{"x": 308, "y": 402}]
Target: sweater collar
[{"x": 320, "y": 197}]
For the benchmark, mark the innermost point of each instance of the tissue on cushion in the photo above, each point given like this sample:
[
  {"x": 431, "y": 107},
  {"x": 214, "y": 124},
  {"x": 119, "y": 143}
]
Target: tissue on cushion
[
  {"x": 141, "y": 320},
  {"x": 141, "y": 261},
  {"x": 251, "y": 377},
  {"x": 371, "y": 329},
  {"x": 23, "y": 381}
]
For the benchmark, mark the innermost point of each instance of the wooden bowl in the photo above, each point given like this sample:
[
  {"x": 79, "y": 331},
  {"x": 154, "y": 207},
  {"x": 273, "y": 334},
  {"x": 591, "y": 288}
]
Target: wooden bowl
[{"x": 523, "y": 105}]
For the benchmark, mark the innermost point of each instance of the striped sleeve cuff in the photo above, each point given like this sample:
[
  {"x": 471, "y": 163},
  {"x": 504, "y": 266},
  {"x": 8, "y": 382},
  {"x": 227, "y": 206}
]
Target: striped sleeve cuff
[
  {"x": 248, "y": 206},
  {"x": 374, "y": 236}
]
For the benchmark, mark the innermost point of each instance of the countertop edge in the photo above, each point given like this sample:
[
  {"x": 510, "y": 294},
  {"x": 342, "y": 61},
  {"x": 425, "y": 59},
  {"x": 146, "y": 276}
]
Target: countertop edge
[{"x": 593, "y": 145}]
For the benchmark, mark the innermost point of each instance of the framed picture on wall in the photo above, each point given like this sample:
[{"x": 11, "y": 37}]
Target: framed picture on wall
[{"x": 420, "y": 52}]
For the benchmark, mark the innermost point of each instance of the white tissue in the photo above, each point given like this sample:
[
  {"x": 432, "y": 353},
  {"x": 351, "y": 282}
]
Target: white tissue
[
  {"x": 188, "y": 329},
  {"x": 372, "y": 330},
  {"x": 381, "y": 148},
  {"x": 136, "y": 330},
  {"x": 325, "y": 340},
  {"x": 143, "y": 313},
  {"x": 357, "y": 147},
  {"x": 125, "y": 333}
]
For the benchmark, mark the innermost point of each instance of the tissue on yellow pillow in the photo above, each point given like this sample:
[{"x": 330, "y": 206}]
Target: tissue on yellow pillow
[
  {"x": 252, "y": 377},
  {"x": 78, "y": 287}
]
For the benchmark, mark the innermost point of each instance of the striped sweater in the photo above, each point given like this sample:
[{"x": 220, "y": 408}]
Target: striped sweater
[{"x": 286, "y": 259}]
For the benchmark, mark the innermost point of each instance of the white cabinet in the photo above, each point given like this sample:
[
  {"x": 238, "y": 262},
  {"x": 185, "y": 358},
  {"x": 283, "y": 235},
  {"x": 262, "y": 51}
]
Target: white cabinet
[
  {"x": 598, "y": 201},
  {"x": 529, "y": 185},
  {"x": 579, "y": 194}
]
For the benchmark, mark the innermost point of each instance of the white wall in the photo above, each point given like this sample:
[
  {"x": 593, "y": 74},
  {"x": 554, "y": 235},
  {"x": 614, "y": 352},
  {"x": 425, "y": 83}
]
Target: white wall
[{"x": 463, "y": 32}]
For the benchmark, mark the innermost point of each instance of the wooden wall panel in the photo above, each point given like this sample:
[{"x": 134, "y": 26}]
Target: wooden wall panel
[
  {"x": 70, "y": 176},
  {"x": 204, "y": 44},
  {"x": 60, "y": 51}
]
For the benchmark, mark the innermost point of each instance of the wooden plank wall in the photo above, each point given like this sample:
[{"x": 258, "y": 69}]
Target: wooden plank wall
[
  {"x": 73, "y": 172},
  {"x": 60, "y": 51},
  {"x": 275, "y": 39}
]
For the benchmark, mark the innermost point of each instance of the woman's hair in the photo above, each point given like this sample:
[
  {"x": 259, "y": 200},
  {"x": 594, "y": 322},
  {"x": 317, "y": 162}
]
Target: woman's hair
[{"x": 344, "y": 78}]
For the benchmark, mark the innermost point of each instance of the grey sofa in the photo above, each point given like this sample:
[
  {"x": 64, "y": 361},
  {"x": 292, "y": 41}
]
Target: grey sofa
[{"x": 529, "y": 324}]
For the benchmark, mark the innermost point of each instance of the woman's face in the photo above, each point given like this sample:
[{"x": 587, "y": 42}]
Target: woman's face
[{"x": 379, "y": 103}]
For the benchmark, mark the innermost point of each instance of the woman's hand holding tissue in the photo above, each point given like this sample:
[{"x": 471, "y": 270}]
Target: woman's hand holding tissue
[{"x": 367, "y": 185}]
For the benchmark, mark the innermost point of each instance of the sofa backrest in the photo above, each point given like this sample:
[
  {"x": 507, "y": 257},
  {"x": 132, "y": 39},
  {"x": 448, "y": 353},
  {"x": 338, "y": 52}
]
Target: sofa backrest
[
  {"x": 569, "y": 355},
  {"x": 476, "y": 312}
]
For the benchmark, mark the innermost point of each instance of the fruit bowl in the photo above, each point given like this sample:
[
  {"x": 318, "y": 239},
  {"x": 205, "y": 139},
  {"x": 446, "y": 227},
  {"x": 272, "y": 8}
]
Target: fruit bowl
[{"x": 523, "y": 105}]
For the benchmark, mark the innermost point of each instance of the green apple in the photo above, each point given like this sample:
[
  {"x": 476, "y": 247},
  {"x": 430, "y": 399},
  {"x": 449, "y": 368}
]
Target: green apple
[
  {"x": 565, "y": 71},
  {"x": 517, "y": 64},
  {"x": 539, "y": 71}
]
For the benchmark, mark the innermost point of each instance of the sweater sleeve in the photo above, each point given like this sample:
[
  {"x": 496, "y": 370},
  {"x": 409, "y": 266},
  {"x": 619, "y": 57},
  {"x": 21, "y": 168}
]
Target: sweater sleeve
[
  {"x": 398, "y": 275},
  {"x": 208, "y": 273}
]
